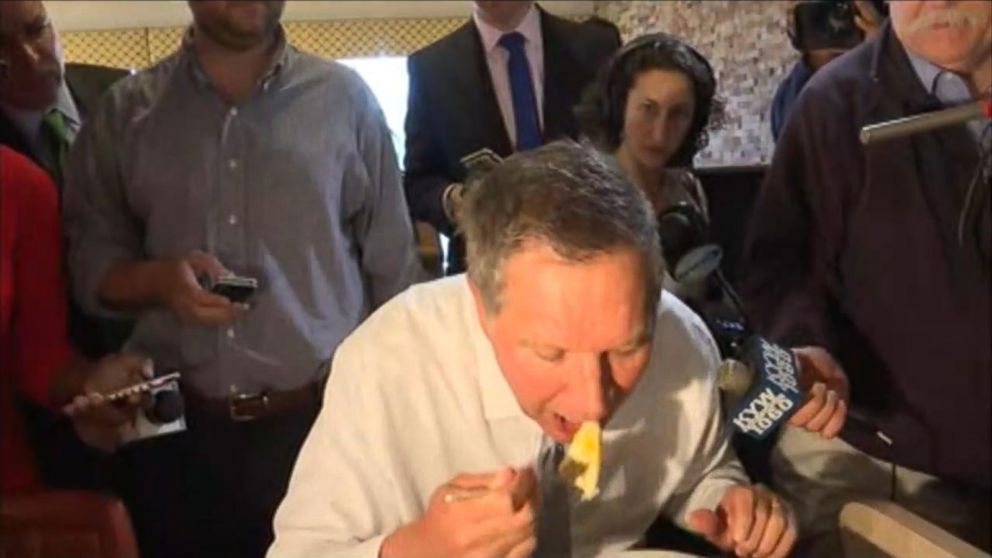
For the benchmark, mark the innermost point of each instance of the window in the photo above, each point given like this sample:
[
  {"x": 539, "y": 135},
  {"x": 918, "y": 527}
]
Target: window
[{"x": 387, "y": 77}]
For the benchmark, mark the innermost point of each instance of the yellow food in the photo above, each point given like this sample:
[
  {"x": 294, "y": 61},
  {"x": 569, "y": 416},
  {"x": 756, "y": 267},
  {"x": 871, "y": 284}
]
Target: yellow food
[{"x": 580, "y": 466}]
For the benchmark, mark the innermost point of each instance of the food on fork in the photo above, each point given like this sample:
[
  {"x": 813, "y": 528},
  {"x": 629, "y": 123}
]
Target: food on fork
[{"x": 580, "y": 467}]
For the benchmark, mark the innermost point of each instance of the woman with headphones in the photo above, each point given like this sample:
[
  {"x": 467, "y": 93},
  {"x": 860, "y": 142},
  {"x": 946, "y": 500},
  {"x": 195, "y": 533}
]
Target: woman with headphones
[{"x": 648, "y": 112}]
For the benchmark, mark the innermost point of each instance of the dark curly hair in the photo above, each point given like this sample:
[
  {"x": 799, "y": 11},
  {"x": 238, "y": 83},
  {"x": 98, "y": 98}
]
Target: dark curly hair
[{"x": 604, "y": 103}]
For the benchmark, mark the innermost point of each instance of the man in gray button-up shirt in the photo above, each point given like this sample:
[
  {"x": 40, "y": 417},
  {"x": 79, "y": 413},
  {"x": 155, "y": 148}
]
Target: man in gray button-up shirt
[{"x": 238, "y": 153}]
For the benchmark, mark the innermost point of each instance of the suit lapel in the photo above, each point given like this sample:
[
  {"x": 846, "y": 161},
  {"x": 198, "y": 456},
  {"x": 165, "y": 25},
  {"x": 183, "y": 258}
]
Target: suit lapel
[
  {"x": 78, "y": 97},
  {"x": 474, "y": 87},
  {"x": 563, "y": 79}
]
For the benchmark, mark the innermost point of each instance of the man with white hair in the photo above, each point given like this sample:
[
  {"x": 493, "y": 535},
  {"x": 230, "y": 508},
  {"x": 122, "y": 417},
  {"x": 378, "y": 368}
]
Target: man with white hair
[{"x": 882, "y": 255}]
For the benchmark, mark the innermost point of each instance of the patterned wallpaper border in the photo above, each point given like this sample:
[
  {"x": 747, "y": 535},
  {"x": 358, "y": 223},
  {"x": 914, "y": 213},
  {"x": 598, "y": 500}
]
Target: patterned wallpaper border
[{"x": 141, "y": 47}]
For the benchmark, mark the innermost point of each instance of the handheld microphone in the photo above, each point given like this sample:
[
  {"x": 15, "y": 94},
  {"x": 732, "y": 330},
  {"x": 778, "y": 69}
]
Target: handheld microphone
[
  {"x": 761, "y": 388},
  {"x": 759, "y": 380},
  {"x": 161, "y": 412},
  {"x": 925, "y": 122},
  {"x": 164, "y": 407}
]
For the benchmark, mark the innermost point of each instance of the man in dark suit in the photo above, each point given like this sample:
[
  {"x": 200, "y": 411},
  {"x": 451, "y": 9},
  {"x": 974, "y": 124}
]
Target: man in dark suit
[
  {"x": 506, "y": 80},
  {"x": 42, "y": 102},
  {"x": 42, "y": 106}
]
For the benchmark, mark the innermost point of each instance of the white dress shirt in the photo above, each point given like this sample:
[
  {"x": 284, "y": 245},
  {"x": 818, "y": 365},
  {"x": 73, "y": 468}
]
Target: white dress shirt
[
  {"x": 416, "y": 397},
  {"x": 497, "y": 57}
]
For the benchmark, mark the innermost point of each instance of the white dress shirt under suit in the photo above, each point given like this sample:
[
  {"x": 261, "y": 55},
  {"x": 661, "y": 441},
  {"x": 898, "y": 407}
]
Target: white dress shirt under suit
[
  {"x": 497, "y": 58},
  {"x": 416, "y": 397}
]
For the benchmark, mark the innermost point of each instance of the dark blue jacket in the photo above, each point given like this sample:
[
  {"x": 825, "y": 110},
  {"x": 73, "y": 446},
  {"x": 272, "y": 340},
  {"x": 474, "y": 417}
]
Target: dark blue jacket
[
  {"x": 786, "y": 95},
  {"x": 856, "y": 249}
]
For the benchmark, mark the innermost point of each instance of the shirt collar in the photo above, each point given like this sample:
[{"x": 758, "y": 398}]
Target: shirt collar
[
  {"x": 529, "y": 27},
  {"x": 282, "y": 51},
  {"x": 28, "y": 122},
  {"x": 65, "y": 105},
  {"x": 945, "y": 85}
]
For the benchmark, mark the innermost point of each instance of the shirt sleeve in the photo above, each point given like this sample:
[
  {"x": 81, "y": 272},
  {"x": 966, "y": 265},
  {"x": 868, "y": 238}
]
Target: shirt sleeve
[
  {"x": 100, "y": 227},
  {"x": 341, "y": 502},
  {"x": 40, "y": 339},
  {"x": 385, "y": 233},
  {"x": 715, "y": 467}
]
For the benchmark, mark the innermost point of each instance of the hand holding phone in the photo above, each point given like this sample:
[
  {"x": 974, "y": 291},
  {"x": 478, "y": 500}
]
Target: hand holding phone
[
  {"x": 234, "y": 288},
  {"x": 186, "y": 290}
]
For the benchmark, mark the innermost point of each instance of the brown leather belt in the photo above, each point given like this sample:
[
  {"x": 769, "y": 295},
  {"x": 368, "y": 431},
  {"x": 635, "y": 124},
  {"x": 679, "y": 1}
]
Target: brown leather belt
[{"x": 243, "y": 407}]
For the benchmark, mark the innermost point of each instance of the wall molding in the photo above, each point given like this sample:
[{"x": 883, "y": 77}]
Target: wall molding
[{"x": 142, "y": 47}]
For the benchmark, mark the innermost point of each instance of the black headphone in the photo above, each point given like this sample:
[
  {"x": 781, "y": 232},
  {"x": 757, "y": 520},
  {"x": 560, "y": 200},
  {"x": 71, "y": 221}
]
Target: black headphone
[
  {"x": 613, "y": 101},
  {"x": 681, "y": 228}
]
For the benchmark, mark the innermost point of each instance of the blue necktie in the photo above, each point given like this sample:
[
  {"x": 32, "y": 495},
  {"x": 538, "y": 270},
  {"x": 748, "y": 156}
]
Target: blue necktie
[{"x": 522, "y": 89}]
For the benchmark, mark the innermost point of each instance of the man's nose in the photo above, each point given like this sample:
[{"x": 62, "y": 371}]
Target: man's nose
[{"x": 592, "y": 391}]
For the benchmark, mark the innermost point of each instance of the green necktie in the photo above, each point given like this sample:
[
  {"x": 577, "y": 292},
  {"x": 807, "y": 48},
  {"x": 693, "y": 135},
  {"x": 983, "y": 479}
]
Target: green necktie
[{"x": 56, "y": 135}]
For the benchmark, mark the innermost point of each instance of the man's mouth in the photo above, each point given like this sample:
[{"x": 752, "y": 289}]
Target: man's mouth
[{"x": 564, "y": 426}]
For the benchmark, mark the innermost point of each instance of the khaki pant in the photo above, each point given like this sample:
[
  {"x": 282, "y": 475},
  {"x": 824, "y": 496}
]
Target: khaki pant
[{"x": 819, "y": 476}]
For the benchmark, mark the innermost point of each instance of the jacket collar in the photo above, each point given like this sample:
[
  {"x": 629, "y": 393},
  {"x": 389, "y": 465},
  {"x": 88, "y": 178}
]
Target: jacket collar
[{"x": 893, "y": 74}]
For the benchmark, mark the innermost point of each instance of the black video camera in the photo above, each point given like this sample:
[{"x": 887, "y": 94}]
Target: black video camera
[{"x": 824, "y": 25}]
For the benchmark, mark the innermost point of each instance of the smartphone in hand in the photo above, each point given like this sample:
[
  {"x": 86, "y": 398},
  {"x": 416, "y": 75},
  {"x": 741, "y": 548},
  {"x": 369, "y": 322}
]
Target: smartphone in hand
[{"x": 234, "y": 288}]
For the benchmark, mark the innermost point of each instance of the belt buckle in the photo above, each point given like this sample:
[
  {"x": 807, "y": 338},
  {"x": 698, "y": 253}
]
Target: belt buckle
[{"x": 236, "y": 400}]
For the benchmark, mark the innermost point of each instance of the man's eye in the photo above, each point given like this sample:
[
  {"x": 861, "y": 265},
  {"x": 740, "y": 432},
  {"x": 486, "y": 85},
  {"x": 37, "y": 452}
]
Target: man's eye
[
  {"x": 36, "y": 29},
  {"x": 626, "y": 352},
  {"x": 630, "y": 350},
  {"x": 550, "y": 355}
]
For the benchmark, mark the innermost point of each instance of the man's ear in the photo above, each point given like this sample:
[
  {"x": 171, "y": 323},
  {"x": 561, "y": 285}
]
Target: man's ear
[{"x": 485, "y": 317}]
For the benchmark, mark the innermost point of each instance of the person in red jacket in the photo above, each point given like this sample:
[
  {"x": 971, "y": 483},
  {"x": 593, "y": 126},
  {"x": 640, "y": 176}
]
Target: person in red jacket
[{"x": 36, "y": 359}]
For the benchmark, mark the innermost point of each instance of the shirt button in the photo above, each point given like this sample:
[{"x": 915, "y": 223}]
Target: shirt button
[
  {"x": 233, "y": 111},
  {"x": 232, "y": 164},
  {"x": 232, "y": 220},
  {"x": 230, "y": 333}
]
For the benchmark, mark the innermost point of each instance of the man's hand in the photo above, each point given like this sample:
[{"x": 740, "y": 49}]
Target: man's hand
[
  {"x": 181, "y": 291},
  {"x": 750, "y": 521},
  {"x": 490, "y": 515},
  {"x": 827, "y": 393},
  {"x": 97, "y": 422}
]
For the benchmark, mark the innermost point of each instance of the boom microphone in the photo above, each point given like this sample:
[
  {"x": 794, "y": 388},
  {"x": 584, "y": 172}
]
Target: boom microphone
[{"x": 926, "y": 122}]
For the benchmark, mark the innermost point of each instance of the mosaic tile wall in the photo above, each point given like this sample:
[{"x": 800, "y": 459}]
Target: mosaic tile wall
[{"x": 745, "y": 41}]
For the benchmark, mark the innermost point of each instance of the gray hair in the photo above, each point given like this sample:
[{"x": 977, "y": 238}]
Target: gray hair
[{"x": 563, "y": 195}]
